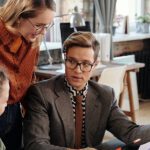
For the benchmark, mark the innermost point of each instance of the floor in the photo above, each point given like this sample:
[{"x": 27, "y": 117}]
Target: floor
[{"x": 142, "y": 116}]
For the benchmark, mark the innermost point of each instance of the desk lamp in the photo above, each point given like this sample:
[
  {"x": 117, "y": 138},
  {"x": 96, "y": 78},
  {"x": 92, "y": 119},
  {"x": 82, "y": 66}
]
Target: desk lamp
[
  {"x": 76, "y": 20},
  {"x": 50, "y": 66}
]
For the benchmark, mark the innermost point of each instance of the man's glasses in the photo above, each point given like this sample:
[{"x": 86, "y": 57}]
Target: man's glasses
[
  {"x": 40, "y": 28},
  {"x": 84, "y": 66}
]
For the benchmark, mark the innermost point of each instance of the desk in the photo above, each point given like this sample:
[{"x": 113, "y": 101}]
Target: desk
[
  {"x": 45, "y": 74},
  {"x": 128, "y": 43},
  {"x": 131, "y": 67}
]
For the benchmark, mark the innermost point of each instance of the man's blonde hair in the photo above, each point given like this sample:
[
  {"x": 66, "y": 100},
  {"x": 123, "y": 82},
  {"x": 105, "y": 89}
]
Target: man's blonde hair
[{"x": 82, "y": 39}]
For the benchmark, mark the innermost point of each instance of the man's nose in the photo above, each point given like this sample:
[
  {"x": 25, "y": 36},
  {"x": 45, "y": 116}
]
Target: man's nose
[{"x": 78, "y": 68}]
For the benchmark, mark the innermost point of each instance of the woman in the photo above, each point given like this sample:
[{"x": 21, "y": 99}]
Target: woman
[
  {"x": 22, "y": 25},
  {"x": 4, "y": 94}
]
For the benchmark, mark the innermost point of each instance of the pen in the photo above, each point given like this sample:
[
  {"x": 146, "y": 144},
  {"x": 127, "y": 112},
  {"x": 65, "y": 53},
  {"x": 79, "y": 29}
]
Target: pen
[{"x": 132, "y": 143}]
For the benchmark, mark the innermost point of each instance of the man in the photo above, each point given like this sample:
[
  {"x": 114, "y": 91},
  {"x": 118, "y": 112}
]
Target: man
[{"x": 53, "y": 121}]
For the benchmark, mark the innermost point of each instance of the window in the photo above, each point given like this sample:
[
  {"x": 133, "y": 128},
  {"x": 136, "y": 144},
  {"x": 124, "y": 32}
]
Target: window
[
  {"x": 67, "y": 6},
  {"x": 130, "y": 8},
  {"x": 85, "y": 8}
]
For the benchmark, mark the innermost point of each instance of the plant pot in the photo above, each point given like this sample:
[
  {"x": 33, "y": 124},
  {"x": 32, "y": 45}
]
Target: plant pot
[
  {"x": 142, "y": 27},
  {"x": 145, "y": 27},
  {"x": 138, "y": 27}
]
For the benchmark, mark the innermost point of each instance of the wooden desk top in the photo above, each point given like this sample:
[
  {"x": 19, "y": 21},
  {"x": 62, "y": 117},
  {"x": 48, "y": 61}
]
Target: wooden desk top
[
  {"x": 97, "y": 71},
  {"x": 130, "y": 67}
]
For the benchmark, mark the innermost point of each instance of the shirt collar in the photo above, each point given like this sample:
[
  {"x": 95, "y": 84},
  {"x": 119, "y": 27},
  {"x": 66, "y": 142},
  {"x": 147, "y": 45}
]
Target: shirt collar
[
  {"x": 11, "y": 40},
  {"x": 73, "y": 91}
]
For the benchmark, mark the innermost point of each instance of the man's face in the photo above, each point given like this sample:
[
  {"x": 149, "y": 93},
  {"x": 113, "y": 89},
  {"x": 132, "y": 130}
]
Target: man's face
[{"x": 77, "y": 77}]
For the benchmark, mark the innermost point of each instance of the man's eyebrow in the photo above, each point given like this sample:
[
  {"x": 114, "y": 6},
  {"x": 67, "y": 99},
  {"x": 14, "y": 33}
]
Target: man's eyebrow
[{"x": 86, "y": 61}]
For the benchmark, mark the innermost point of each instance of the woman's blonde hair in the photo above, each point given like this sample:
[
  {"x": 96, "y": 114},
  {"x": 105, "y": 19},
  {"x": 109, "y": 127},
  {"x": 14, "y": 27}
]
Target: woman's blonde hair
[
  {"x": 82, "y": 39},
  {"x": 12, "y": 10}
]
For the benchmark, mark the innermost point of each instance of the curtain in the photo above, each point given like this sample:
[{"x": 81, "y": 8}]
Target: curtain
[{"x": 105, "y": 10}]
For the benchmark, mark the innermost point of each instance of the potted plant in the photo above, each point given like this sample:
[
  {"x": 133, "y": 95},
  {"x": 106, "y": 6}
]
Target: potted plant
[{"x": 142, "y": 24}]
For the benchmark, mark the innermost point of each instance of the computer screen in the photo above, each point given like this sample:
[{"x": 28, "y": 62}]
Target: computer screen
[{"x": 65, "y": 29}]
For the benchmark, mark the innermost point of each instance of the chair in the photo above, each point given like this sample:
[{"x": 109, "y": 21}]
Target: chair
[{"x": 115, "y": 77}]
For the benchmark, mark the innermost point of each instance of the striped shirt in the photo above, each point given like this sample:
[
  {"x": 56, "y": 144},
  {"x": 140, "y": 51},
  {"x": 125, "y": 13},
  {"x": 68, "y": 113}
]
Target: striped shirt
[{"x": 73, "y": 92}]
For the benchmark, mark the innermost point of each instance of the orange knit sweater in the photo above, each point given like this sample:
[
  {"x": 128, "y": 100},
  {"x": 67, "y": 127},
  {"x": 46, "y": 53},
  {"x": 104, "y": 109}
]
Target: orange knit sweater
[{"x": 18, "y": 59}]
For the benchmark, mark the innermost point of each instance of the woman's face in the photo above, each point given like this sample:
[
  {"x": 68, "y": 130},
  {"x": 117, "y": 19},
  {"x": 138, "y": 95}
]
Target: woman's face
[
  {"x": 4, "y": 95},
  {"x": 32, "y": 28}
]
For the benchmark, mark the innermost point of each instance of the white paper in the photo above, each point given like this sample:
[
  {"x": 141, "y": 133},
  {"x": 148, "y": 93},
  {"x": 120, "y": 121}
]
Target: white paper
[{"x": 145, "y": 146}]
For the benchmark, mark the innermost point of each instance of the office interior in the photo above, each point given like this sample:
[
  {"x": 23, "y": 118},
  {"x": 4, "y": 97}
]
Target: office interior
[{"x": 128, "y": 43}]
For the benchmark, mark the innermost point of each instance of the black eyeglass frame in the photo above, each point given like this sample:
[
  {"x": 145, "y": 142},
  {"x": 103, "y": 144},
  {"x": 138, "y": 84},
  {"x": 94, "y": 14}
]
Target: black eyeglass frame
[
  {"x": 82, "y": 65},
  {"x": 39, "y": 28}
]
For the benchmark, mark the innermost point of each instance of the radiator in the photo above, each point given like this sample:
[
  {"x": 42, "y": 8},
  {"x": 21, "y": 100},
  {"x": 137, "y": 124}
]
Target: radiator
[{"x": 143, "y": 76}]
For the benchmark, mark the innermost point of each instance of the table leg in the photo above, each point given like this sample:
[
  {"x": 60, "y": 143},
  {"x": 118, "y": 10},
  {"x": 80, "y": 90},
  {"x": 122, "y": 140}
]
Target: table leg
[{"x": 131, "y": 113}]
